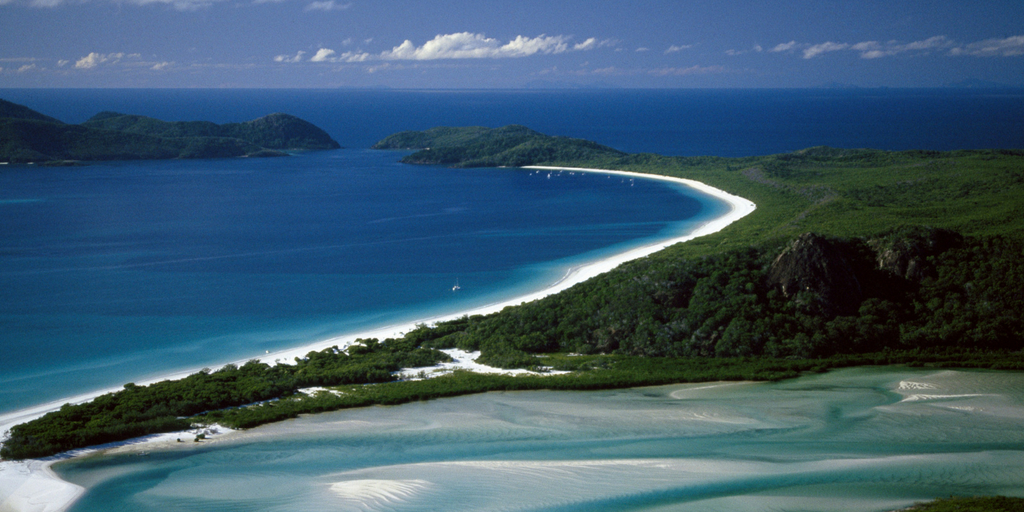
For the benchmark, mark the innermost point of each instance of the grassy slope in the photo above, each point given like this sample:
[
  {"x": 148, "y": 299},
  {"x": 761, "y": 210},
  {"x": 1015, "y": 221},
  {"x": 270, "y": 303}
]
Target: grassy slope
[
  {"x": 840, "y": 192},
  {"x": 852, "y": 192}
]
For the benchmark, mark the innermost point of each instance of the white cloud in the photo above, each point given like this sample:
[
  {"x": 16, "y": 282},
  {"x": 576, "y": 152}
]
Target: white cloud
[
  {"x": 784, "y": 47},
  {"x": 876, "y": 50},
  {"x": 593, "y": 42},
  {"x": 826, "y": 47},
  {"x": 92, "y": 60},
  {"x": 643, "y": 49},
  {"x": 465, "y": 45},
  {"x": 26, "y": 67},
  {"x": 160, "y": 66},
  {"x": 327, "y": 5},
  {"x": 355, "y": 57},
  {"x": 589, "y": 44},
  {"x": 287, "y": 58},
  {"x": 1008, "y": 47},
  {"x": 927, "y": 44},
  {"x": 61, "y": 63},
  {"x": 462, "y": 45},
  {"x": 678, "y": 48},
  {"x": 322, "y": 55},
  {"x": 692, "y": 70},
  {"x": 181, "y": 5},
  {"x": 95, "y": 59}
]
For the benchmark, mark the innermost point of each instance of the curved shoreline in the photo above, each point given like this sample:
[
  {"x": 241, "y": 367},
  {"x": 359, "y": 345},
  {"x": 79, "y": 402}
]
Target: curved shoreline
[{"x": 32, "y": 486}]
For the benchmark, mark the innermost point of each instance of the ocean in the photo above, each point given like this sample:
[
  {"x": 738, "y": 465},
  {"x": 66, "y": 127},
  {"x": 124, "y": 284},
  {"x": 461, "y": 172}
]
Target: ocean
[
  {"x": 123, "y": 272},
  {"x": 126, "y": 271}
]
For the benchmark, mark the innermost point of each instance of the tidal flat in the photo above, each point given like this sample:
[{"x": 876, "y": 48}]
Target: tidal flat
[{"x": 868, "y": 439}]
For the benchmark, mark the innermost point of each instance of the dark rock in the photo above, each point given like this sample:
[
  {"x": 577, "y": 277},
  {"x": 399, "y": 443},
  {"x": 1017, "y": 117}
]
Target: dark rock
[
  {"x": 818, "y": 270},
  {"x": 906, "y": 252}
]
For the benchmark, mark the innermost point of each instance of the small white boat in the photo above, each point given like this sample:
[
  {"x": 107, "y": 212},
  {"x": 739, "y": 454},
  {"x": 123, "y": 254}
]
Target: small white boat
[{"x": 456, "y": 287}]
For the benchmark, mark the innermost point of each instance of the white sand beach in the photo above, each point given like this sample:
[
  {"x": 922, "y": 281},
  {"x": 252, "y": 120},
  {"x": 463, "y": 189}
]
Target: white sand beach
[{"x": 30, "y": 486}]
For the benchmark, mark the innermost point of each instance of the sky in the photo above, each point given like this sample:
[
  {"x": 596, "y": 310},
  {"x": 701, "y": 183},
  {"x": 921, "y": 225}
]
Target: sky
[{"x": 481, "y": 44}]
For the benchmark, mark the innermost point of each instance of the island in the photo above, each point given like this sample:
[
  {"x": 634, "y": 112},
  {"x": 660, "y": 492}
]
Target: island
[
  {"x": 27, "y": 136},
  {"x": 852, "y": 257}
]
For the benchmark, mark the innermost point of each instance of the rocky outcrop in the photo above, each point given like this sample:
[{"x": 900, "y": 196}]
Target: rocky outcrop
[
  {"x": 906, "y": 252},
  {"x": 817, "y": 269}
]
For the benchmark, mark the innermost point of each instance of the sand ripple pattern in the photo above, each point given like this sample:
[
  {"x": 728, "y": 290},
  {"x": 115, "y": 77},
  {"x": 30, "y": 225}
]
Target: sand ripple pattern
[{"x": 859, "y": 439}]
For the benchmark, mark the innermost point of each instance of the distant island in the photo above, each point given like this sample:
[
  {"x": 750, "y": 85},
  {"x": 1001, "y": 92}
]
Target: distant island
[
  {"x": 508, "y": 146},
  {"x": 27, "y": 136},
  {"x": 852, "y": 257}
]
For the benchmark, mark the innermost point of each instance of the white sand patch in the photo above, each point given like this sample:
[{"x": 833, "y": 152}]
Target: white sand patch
[
  {"x": 377, "y": 493},
  {"x": 463, "y": 360},
  {"x": 31, "y": 486},
  {"x": 924, "y": 398},
  {"x": 906, "y": 384},
  {"x": 692, "y": 391},
  {"x": 317, "y": 389}
]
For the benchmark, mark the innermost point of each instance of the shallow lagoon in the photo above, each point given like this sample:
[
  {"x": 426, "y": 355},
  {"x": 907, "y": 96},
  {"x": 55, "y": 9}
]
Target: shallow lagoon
[{"x": 857, "y": 439}]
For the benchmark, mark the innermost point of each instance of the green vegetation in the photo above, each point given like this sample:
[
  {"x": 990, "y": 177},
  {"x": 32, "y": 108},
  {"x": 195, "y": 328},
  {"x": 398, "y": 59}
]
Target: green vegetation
[
  {"x": 28, "y": 136},
  {"x": 735, "y": 304},
  {"x": 971, "y": 504},
  {"x": 165, "y": 406},
  {"x": 852, "y": 257}
]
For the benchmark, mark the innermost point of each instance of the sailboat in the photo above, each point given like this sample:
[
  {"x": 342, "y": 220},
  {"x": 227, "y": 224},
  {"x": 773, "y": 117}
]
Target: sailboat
[{"x": 456, "y": 287}]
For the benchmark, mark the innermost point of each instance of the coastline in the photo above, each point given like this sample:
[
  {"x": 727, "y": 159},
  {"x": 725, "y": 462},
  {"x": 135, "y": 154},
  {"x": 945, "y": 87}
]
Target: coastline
[{"x": 32, "y": 486}]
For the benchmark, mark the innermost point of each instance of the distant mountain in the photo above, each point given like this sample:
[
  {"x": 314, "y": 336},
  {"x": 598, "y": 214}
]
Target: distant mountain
[
  {"x": 976, "y": 83},
  {"x": 15, "y": 111},
  {"x": 476, "y": 146},
  {"x": 28, "y": 136}
]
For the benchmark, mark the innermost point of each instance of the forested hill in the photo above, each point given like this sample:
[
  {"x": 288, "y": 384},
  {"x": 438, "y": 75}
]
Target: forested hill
[
  {"x": 29, "y": 136},
  {"x": 475, "y": 146},
  {"x": 849, "y": 251}
]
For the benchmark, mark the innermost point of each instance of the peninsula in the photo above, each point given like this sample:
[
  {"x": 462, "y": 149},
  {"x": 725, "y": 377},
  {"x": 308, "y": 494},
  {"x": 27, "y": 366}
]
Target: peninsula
[{"x": 29, "y": 136}]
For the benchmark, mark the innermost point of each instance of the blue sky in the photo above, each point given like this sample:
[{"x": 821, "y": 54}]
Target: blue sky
[{"x": 513, "y": 44}]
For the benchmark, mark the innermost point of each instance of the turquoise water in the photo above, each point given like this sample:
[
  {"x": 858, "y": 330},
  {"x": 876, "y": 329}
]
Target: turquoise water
[
  {"x": 852, "y": 440},
  {"x": 121, "y": 272}
]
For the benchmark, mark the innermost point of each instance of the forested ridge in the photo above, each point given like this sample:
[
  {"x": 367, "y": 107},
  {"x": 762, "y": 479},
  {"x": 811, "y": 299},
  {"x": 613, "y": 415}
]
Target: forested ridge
[
  {"x": 28, "y": 136},
  {"x": 853, "y": 256}
]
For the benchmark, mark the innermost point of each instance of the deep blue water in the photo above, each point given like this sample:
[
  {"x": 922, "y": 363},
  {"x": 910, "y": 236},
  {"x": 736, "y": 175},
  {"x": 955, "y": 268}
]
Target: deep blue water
[
  {"x": 122, "y": 271},
  {"x": 116, "y": 272},
  {"x": 672, "y": 122}
]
